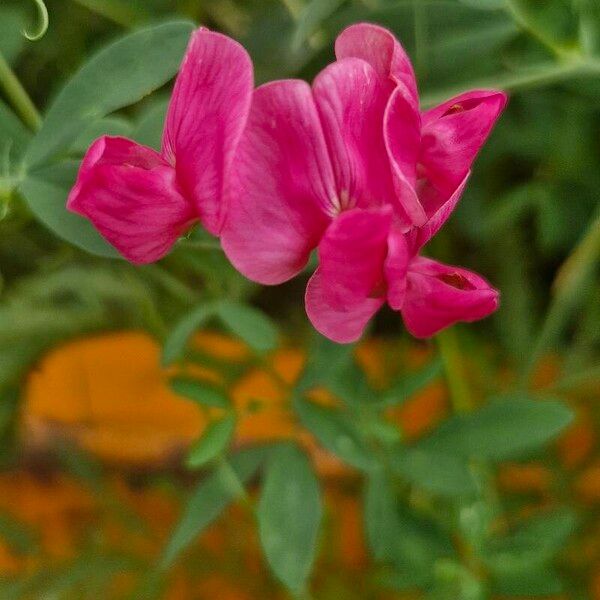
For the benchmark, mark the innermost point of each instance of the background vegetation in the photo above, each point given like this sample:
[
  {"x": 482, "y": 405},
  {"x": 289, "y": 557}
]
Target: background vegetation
[{"x": 315, "y": 471}]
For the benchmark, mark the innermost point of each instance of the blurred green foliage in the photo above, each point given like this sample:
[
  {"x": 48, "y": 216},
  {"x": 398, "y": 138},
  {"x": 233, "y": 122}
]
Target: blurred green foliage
[{"x": 529, "y": 220}]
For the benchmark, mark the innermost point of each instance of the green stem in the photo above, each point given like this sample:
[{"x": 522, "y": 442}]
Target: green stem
[
  {"x": 541, "y": 75},
  {"x": 568, "y": 287},
  {"x": 18, "y": 97},
  {"x": 453, "y": 362}
]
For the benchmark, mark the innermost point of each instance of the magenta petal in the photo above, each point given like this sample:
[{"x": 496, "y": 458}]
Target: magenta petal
[
  {"x": 341, "y": 326},
  {"x": 396, "y": 268},
  {"x": 351, "y": 100},
  {"x": 349, "y": 285},
  {"x": 130, "y": 195},
  {"x": 452, "y": 135},
  {"x": 381, "y": 50},
  {"x": 440, "y": 295},
  {"x": 281, "y": 186},
  {"x": 402, "y": 132},
  {"x": 206, "y": 117},
  {"x": 420, "y": 236}
]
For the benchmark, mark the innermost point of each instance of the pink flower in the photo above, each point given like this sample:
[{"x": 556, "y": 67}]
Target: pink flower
[
  {"x": 352, "y": 167},
  {"x": 140, "y": 200}
]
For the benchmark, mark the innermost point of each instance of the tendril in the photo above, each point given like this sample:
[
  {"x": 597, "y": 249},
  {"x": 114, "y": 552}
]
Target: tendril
[{"x": 43, "y": 27}]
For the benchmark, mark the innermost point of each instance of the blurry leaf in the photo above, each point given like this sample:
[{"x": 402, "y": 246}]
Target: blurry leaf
[
  {"x": 117, "y": 126},
  {"x": 249, "y": 324},
  {"x": 410, "y": 384},
  {"x": 436, "y": 472},
  {"x": 398, "y": 537},
  {"x": 267, "y": 39},
  {"x": 336, "y": 432},
  {"x": 515, "y": 319},
  {"x": 149, "y": 128},
  {"x": 533, "y": 543},
  {"x": 401, "y": 581},
  {"x": 46, "y": 191},
  {"x": 214, "y": 440},
  {"x": 313, "y": 14},
  {"x": 585, "y": 378},
  {"x": 571, "y": 287},
  {"x": 124, "y": 12},
  {"x": 17, "y": 536},
  {"x": 589, "y": 16},
  {"x": 504, "y": 428},
  {"x": 332, "y": 366},
  {"x": 510, "y": 209},
  {"x": 14, "y": 136},
  {"x": 176, "y": 341},
  {"x": 529, "y": 583},
  {"x": 87, "y": 568},
  {"x": 463, "y": 44},
  {"x": 119, "y": 75},
  {"x": 553, "y": 22},
  {"x": 453, "y": 580},
  {"x": 381, "y": 430},
  {"x": 485, "y": 4},
  {"x": 208, "y": 501},
  {"x": 326, "y": 360},
  {"x": 199, "y": 391},
  {"x": 554, "y": 227},
  {"x": 381, "y": 520},
  {"x": 289, "y": 514}
]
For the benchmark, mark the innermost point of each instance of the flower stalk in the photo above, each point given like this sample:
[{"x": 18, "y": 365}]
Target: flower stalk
[{"x": 18, "y": 97}]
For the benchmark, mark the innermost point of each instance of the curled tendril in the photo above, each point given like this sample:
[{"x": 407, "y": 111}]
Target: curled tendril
[{"x": 43, "y": 15}]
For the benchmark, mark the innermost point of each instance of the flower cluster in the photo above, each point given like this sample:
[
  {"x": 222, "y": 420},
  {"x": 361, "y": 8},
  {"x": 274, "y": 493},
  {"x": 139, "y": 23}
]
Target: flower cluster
[{"x": 349, "y": 166}]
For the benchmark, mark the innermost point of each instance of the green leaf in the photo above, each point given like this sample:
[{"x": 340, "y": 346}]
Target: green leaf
[
  {"x": 249, "y": 324},
  {"x": 453, "y": 580},
  {"x": 16, "y": 535},
  {"x": 589, "y": 31},
  {"x": 333, "y": 366},
  {"x": 485, "y": 4},
  {"x": 435, "y": 472},
  {"x": 326, "y": 360},
  {"x": 505, "y": 428},
  {"x": 410, "y": 384},
  {"x": 397, "y": 536},
  {"x": 149, "y": 128},
  {"x": 107, "y": 126},
  {"x": 46, "y": 192},
  {"x": 176, "y": 341},
  {"x": 208, "y": 501},
  {"x": 552, "y": 22},
  {"x": 200, "y": 392},
  {"x": 289, "y": 514},
  {"x": 381, "y": 519},
  {"x": 312, "y": 16},
  {"x": 213, "y": 442},
  {"x": 14, "y": 136},
  {"x": 119, "y": 75},
  {"x": 534, "y": 542},
  {"x": 336, "y": 432},
  {"x": 530, "y": 583}
]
